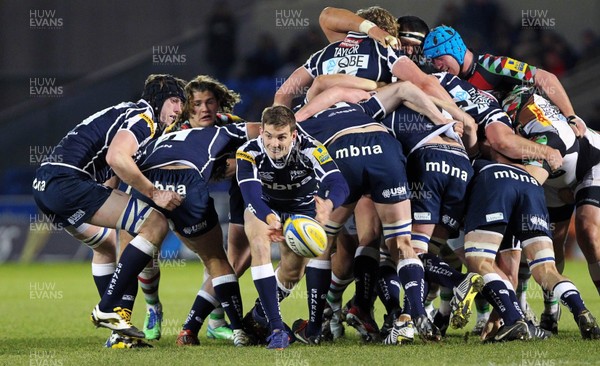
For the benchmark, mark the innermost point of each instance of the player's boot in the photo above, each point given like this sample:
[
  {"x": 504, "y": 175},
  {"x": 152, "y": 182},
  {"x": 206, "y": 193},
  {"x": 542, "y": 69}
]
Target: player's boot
[
  {"x": 402, "y": 332},
  {"x": 482, "y": 320},
  {"x": 464, "y": 294},
  {"x": 153, "y": 322},
  {"x": 442, "y": 322},
  {"x": 279, "y": 339},
  {"x": 223, "y": 332},
  {"x": 426, "y": 329},
  {"x": 187, "y": 338},
  {"x": 363, "y": 323},
  {"x": 117, "y": 341},
  {"x": 588, "y": 326},
  {"x": 299, "y": 329},
  {"x": 549, "y": 321},
  {"x": 536, "y": 332},
  {"x": 240, "y": 338},
  {"x": 119, "y": 320},
  {"x": 517, "y": 331}
]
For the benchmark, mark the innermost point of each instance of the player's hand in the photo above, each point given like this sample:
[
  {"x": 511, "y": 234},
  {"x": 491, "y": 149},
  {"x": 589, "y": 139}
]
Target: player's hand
[
  {"x": 168, "y": 200},
  {"x": 491, "y": 327},
  {"x": 356, "y": 95},
  {"x": 275, "y": 230},
  {"x": 384, "y": 38},
  {"x": 578, "y": 126},
  {"x": 554, "y": 158},
  {"x": 459, "y": 128},
  {"x": 323, "y": 209}
]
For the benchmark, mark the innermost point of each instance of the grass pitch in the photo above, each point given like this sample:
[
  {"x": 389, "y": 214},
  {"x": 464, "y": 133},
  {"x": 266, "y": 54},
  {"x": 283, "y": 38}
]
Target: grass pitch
[{"x": 45, "y": 308}]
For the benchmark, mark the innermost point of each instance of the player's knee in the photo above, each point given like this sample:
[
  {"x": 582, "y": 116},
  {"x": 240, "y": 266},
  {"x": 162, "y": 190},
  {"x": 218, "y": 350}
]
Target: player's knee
[
  {"x": 157, "y": 224},
  {"x": 140, "y": 218},
  {"x": 101, "y": 239},
  {"x": 588, "y": 234},
  {"x": 480, "y": 256},
  {"x": 399, "y": 231}
]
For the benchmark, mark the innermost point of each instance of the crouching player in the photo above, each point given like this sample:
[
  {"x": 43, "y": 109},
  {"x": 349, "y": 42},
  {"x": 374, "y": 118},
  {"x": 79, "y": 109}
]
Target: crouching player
[{"x": 283, "y": 173}]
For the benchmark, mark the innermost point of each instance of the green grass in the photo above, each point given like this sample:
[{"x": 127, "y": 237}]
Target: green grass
[{"x": 44, "y": 320}]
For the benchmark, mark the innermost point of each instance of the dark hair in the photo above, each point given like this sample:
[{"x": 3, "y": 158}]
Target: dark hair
[
  {"x": 226, "y": 98},
  {"x": 409, "y": 25},
  {"x": 160, "y": 87},
  {"x": 279, "y": 116}
]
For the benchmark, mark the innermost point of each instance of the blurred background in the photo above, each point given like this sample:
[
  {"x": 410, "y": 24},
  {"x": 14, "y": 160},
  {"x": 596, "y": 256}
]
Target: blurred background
[{"x": 62, "y": 61}]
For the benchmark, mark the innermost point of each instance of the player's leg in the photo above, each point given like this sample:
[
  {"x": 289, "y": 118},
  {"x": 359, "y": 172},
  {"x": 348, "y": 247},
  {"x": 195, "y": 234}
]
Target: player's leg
[
  {"x": 540, "y": 257},
  {"x": 125, "y": 212},
  {"x": 365, "y": 268},
  {"x": 587, "y": 225},
  {"x": 263, "y": 275},
  {"x": 148, "y": 279},
  {"x": 346, "y": 243},
  {"x": 551, "y": 314},
  {"x": 223, "y": 283},
  {"x": 481, "y": 246},
  {"x": 102, "y": 241}
]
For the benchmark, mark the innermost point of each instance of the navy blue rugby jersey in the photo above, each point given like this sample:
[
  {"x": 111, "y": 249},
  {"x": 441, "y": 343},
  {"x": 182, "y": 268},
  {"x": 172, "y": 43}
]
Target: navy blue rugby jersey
[
  {"x": 480, "y": 105},
  {"x": 325, "y": 125},
  {"x": 413, "y": 129},
  {"x": 84, "y": 147},
  {"x": 288, "y": 185},
  {"x": 197, "y": 148},
  {"x": 356, "y": 55}
]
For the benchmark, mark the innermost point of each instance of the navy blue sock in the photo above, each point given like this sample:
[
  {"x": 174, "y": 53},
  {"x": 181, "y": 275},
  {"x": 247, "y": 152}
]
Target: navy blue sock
[
  {"x": 102, "y": 283},
  {"x": 266, "y": 285},
  {"x": 281, "y": 295},
  {"x": 440, "y": 272},
  {"x": 366, "y": 265},
  {"x": 497, "y": 294},
  {"x": 388, "y": 288},
  {"x": 227, "y": 290},
  {"x": 133, "y": 260},
  {"x": 411, "y": 274},
  {"x": 570, "y": 297},
  {"x": 102, "y": 273},
  {"x": 128, "y": 298},
  {"x": 513, "y": 298},
  {"x": 203, "y": 305},
  {"x": 318, "y": 277}
]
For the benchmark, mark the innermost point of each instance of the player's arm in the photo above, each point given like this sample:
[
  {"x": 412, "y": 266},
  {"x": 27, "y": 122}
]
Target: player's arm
[
  {"x": 503, "y": 139},
  {"x": 250, "y": 185},
  {"x": 406, "y": 70},
  {"x": 328, "y": 98},
  {"x": 325, "y": 82},
  {"x": 293, "y": 87},
  {"x": 337, "y": 22},
  {"x": 333, "y": 188},
  {"x": 119, "y": 157},
  {"x": 557, "y": 94},
  {"x": 392, "y": 95}
]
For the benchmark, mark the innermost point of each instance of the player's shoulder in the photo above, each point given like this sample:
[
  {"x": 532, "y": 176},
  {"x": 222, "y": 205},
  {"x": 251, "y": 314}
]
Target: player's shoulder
[{"x": 252, "y": 146}]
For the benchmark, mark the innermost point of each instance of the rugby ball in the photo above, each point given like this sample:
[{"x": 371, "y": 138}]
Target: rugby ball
[{"x": 305, "y": 236}]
